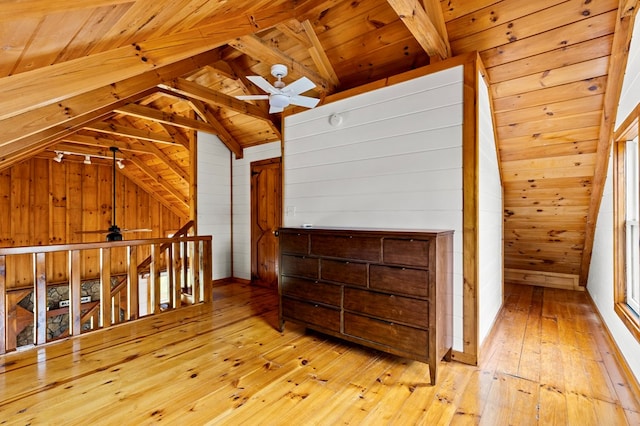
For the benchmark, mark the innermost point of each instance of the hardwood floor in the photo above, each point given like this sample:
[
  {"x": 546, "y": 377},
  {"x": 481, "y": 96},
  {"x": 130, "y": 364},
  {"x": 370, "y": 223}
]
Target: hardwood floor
[{"x": 546, "y": 363}]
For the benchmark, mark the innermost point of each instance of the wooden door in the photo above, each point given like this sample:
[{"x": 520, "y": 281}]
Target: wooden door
[{"x": 266, "y": 218}]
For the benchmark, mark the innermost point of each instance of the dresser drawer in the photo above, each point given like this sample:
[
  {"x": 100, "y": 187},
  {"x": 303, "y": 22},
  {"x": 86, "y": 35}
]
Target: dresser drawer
[
  {"x": 312, "y": 290},
  {"x": 400, "y": 337},
  {"x": 413, "y": 282},
  {"x": 295, "y": 243},
  {"x": 310, "y": 313},
  {"x": 300, "y": 265},
  {"x": 344, "y": 272},
  {"x": 388, "y": 306},
  {"x": 406, "y": 252},
  {"x": 346, "y": 246}
]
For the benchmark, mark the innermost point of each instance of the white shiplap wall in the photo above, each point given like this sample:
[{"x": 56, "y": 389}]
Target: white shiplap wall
[
  {"x": 490, "y": 219},
  {"x": 241, "y": 188},
  {"x": 395, "y": 161},
  {"x": 214, "y": 200},
  {"x": 600, "y": 283}
]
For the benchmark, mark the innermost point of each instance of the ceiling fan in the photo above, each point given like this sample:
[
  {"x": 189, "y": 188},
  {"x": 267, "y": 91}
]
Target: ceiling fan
[
  {"x": 114, "y": 233},
  {"x": 281, "y": 95}
]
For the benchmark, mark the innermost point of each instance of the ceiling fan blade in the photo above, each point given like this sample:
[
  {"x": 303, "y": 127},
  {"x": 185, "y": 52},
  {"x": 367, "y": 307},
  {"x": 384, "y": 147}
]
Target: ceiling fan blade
[
  {"x": 304, "y": 101},
  {"x": 274, "y": 109},
  {"x": 301, "y": 85},
  {"x": 252, "y": 97},
  {"x": 262, "y": 83},
  {"x": 106, "y": 231}
]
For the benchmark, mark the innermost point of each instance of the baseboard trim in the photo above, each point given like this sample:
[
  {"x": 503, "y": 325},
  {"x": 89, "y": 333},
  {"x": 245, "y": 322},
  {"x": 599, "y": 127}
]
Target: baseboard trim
[
  {"x": 464, "y": 358},
  {"x": 626, "y": 370},
  {"x": 492, "y": 332},
  {"x": 223, "y": 281},
  {"x": 543, "y": 279}
]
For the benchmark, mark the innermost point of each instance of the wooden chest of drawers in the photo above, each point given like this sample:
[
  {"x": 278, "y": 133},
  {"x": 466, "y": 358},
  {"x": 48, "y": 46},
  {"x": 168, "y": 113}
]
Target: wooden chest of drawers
[{"x": 389, "y": 290}]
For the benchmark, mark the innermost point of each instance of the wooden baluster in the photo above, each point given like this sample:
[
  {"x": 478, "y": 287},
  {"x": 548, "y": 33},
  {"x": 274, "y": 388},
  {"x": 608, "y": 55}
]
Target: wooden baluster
[
  {"x": 168, "y": 254},
  {"x": 154, "y": 277},
  {"x": 133, "y": 310},
  {"x": 105, "y": 287},
  {"x": 195, "y": 272},
  {"x": 177, "y": 276},
  {"x": 40, "y": 299},
  {"x": 74, "y": 293},
  {"x": 186, "y": 258},
  {"x": 3, "y": 304}
]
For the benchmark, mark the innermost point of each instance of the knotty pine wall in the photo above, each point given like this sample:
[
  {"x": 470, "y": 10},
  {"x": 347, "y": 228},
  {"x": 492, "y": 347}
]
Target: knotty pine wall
[
  {"x": 600, "y": 283},
  {"x": 43, "y": 203}
]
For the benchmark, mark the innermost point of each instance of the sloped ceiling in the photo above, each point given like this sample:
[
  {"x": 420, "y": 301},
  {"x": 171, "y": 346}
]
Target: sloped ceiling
[{"x": 142, "y": 75}]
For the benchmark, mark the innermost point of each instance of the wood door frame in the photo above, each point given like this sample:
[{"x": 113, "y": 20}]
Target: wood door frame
[{"x": 253, "y": 195}]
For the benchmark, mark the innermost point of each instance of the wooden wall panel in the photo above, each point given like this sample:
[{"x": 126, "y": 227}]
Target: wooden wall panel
[
  {"x": 43, "y": 202},
  {"x": 5, "y": 208}
]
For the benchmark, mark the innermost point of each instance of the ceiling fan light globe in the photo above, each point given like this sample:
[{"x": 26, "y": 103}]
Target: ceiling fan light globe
[{"x": 279, "y": 101}]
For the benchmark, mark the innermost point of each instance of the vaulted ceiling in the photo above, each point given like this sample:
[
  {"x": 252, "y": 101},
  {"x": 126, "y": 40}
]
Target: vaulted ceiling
[{"x": 143, "y": 75}]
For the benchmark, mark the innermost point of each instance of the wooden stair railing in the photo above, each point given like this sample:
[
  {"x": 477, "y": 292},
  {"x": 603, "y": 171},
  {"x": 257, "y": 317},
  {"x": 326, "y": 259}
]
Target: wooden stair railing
[
  {"x": 191, "y": 264},
  {"x": 182, "y": 232}
]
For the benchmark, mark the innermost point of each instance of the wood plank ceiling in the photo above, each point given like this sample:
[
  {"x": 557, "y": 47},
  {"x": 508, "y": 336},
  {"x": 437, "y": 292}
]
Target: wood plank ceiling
[{"x": 142, "y": 74}]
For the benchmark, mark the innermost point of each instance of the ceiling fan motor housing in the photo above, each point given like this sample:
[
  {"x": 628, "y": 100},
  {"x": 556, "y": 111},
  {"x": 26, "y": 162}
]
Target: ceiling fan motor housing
[
  {"x": 278, "y": 100},
  {"x": 279, "y": 71}
]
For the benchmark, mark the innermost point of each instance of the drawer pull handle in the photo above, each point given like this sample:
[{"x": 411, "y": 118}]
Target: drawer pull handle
[{"x": 315, "y": 306}]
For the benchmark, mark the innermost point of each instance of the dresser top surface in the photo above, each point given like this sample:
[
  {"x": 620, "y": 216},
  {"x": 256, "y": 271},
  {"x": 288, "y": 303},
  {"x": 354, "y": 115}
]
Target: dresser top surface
[{"x": 367, "y": 231}]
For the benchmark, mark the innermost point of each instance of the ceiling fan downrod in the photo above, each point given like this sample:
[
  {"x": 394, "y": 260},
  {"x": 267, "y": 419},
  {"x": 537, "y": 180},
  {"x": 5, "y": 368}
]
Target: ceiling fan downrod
[{"x": 114, "y": 232}]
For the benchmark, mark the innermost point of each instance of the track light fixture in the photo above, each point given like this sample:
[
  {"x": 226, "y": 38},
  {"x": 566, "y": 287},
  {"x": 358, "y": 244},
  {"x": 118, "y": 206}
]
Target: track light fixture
[{"x": 87, "y": 157}]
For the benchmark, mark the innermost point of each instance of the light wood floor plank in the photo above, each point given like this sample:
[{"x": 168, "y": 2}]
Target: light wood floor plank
[{"x": 547, "y": 362}]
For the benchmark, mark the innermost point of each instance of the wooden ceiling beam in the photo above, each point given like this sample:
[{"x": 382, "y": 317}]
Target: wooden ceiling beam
[
  {"x": 148, "y": 113},
  {"x": 294, "y": 30},
  {"x": 177, "y": 120},
  {"x": 157, "y": 177},
  {"x": 318, "y": 55},
  {"x": 175, "y": 168},
  {"x": 173, "y": 207},
  {"x": 422, "y": 26},
  {"x": 435, "y": 14},
  {"x": 32, "y": 131},
  {"x": 204, "y": 112},
  {"x": 175, "y": 133},
  {"x": 34, "y": 89},
  {"x": 255, "y": 47},
  {"x": 90, "y": 140},
  {"x": 95, "y": 150},
  {"x": 104, "y": 144},
  {"x": 194, "y": 90},
  {"x": 130, "y": 132}
]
